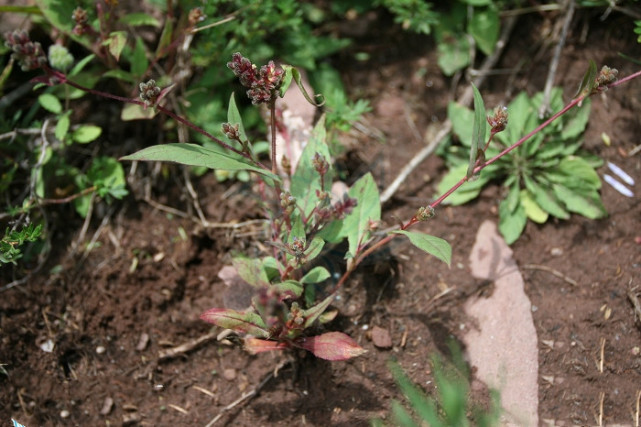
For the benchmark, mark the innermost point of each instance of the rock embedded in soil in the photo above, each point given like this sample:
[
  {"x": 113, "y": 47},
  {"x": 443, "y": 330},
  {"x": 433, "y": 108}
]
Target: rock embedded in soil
[
  {"x": 381, "y": 337},
  {"x": 502, "y": 344}
]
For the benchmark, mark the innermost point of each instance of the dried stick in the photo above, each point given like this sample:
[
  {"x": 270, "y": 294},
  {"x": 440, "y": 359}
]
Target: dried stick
[
  {"x": 464, "y": 99},
  {"x": 550, "y": 270},
  {"x": 544, "y": 109},
  {"x": 250, "y": 394},
  {"x": 170, "y": 353}
]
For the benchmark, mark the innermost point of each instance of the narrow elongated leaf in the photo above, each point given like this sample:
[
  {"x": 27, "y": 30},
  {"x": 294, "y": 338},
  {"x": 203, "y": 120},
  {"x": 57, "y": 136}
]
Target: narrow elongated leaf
[
  {"x": 368, "y": 211},
  {"x": 139, "y": 19},
  {"x": 234, "y": 117},
  {"x": 430, "y": 244},
  {"x": 577, "y": 123},
  {"x": 478, "y": 131},
  {"x": 62, "y": 127},
  {"x": 289, "y": 288},
  {"x": 468, "y": 191},
  {"x": 588, "y": 82},
  {"x": 313, "y": 313},
  {"x": 116, "y": 43},
  {"x": 333, "y": 346},
  {"x": 195, "y": 155},
  {"x": 244, "y": 322},
  {"x": 139, "y": 63},
  {"x": 576, "y": 168},
  {"x": 546, "y": 199}
]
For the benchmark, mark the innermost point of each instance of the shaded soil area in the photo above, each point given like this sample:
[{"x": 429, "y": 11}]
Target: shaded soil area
[{"x": 113, "y": 312}]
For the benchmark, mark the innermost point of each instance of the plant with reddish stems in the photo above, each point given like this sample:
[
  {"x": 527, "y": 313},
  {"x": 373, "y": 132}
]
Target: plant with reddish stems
[{"x": 287, "y": 311}]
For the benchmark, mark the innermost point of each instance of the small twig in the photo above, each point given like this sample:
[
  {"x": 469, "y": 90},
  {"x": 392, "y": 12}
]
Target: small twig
[
  {"x": 634, "y": 151},
  {"x": 602, "y": 361},
  {"x": 446, "y": 127},
  {"x": 601, "y": 399},
  {"x": 544, "y": 109},
  {"x": 632, "y": 296},
  {"x": 170, "y": 353},
  {"x": 550, "y": 270},
  {"x": 250, "y": 394}
]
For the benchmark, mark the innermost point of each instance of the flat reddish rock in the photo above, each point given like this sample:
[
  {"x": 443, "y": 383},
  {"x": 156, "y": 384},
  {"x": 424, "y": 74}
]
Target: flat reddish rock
[{"x": 502, "y": 344}]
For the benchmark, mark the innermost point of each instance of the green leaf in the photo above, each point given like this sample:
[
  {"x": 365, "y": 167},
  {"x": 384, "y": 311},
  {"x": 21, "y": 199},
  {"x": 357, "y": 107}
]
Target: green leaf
[
  {"x": 546, "y": 199},
  {"x": 431, "y": 244},
  {"x": 466, "y": 192},
  {"x": 293, "y": 73},
  {"x": 314, "y": 248},
  {"x": 453, "y": 54},
  {"x": 511, "y": 224},
  {"x": 289, "y": 287},
  {"x": 81, "y": 64},
  {"x": 532, "y": 209},
  {"x": 484, "y": 27},
  {"x": 589, "y": 81},
  {"x": 50, "y": 103},
  {"x": 139, "y": 62},
  {"x": 313, "y": 313},
  {"x": 116, "y": 43},
  {"x": 368, "y": 210},
  {"x": 315, "y": 275},
  {"x": 588, "y": 204},
  {"x": 58, "y": 12},
  {"x": 139, "y": 19},
  {"x": 249, "y": 323},
  {"x": 62, "y": 127},
  {"x": 120, "y": 75},
  {"x": 195, "y": 155},
  {"x": 461, "y": 117},
  {"x": 136, "y": 112},
  {"x": 107, "y": 174},
  {"x": 86, "y": 133},
  {"x": 306, "y": 180},
  {"x": 424, "y": 407},
  {"x": 165, "y": 39},
  {"x": 251, "y": 270},
  {"x": 577, "y": 123},
  {"x": 478, "y": 132},
  {"x": 576, "y": 168},
  {"x": 234, "y": 117}
]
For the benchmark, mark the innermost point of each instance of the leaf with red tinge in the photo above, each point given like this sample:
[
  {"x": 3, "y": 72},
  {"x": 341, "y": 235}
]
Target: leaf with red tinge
[
  {"x": 332, "y": 346},
  {"x": 256, "y": 345},
  {"x": 250, "y": 323}
]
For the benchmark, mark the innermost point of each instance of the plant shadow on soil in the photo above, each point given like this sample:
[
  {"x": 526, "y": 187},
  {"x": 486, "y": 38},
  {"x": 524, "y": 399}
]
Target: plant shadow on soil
[{"x": 144, "y": 279}]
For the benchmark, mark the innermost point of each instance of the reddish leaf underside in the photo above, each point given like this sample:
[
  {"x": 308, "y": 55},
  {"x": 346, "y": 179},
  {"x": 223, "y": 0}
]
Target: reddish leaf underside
[
  {"x": 256, "y": 345},
  {"x": 333, "y": 346},
  {"x": 238, "y": 321}
]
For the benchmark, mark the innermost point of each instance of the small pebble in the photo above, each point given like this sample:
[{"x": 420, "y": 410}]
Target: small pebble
[
  {"x": 142, "y": 342},
  {"x": 100, "y": 349},
  {"x": 229, "y": 374},
  {"x": 556, "y": 251},
  {"x": 381, "y": 337},
  {"x": 107, "y": 406},
  {"x": 64, "y": 414}
]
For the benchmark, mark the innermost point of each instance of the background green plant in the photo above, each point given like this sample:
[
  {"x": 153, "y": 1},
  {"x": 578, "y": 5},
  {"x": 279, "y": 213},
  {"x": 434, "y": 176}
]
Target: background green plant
[
  {"x": 548, "y": 175},
  {"x": 451, "y": 405}
]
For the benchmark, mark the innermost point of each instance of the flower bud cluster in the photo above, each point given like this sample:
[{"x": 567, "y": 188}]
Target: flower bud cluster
[
  {"x": 606, "y": 76},
  {"x": 263, "y": 83},
  {"x": 320, "y": 164},
  {"x": 231, "y": 131},
  {"x": 28, "y": 54},
  {"x": 425, "y": 213},
  {"x": 498, "y": 121},
  {"x": 149, "y": 92},
  {"x": 287, "y": 202},
  {"x": 81, "y": 18},
  {"x": 60, "y": 58},
  {"x": 297, "y": 247},
  {"x": 196, "y": 15}
]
